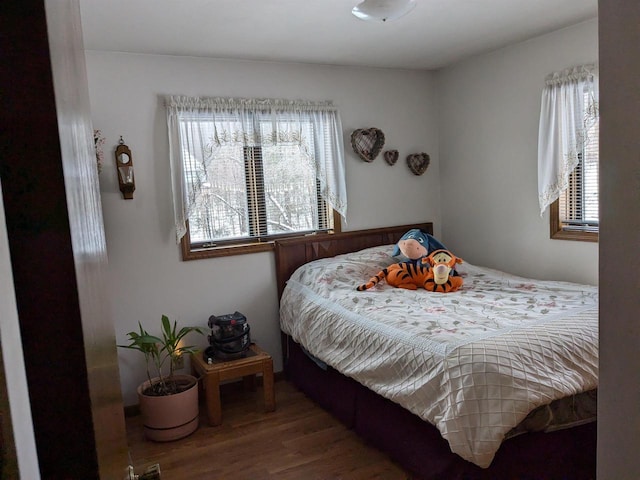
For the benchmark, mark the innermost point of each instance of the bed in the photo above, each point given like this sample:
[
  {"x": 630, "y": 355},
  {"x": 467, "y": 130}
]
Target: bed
[{"x": 497, "y": 380}]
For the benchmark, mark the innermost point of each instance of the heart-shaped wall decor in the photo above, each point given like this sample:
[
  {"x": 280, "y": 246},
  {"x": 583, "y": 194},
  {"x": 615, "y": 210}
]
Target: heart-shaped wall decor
[
  {"x": 367, "y": 143},
  {"x": 391, "y": 156},
  {"x": 418, "y": 162}
]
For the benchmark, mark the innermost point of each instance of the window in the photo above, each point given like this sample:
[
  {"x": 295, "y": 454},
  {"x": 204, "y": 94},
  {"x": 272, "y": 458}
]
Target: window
[
  {"x": 575, "y": 215},
  {"x": 568, "y": 153},
  {"x": 251, "y": 171}
]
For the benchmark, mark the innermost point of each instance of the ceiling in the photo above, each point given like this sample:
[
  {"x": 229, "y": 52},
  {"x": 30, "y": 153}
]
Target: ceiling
[{"x": 435, "y": 34}]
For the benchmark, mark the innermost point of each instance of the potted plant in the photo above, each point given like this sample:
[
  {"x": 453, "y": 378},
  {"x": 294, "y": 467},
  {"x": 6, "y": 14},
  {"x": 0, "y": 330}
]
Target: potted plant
[{"x": 168, "y": 401}]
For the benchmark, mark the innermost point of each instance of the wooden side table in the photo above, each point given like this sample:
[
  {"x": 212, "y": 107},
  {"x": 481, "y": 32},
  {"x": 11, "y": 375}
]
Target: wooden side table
[{"x": 256, "y": 361}]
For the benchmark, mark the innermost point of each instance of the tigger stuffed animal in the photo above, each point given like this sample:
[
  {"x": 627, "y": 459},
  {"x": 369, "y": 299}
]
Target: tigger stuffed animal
[
  {"x": 415, "y": 244},
  {"x": 434, "y": 274},
  {"x": 442, "y": 277},
  {"x": 407, "y": 275}
]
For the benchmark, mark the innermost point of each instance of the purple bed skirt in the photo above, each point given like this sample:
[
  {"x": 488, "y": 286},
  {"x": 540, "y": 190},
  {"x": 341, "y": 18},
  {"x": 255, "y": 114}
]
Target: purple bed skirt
[{"x": 418, "y": 446}]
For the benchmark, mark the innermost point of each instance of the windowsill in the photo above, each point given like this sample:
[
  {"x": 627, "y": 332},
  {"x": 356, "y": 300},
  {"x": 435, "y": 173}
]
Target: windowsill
[
  {"x": 226, "y": 251},
  {"x": 558, "y": 232},
  {"x": 189, "y": 253},
  {"x": 575, "y": 235}
]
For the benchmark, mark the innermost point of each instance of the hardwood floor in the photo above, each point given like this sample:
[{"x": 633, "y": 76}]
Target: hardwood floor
[{"x": 299, "y": 441}]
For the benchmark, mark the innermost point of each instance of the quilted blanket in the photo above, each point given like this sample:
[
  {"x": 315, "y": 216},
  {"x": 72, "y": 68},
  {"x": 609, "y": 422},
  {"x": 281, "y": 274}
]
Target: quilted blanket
[{"x": 473, "y": 363}]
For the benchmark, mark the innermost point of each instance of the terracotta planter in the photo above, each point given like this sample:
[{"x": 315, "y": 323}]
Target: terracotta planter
[{"x": 170, "y": 417}]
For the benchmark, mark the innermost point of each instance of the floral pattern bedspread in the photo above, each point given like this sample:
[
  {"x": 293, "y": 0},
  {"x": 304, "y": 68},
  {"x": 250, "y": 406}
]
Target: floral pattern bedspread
[{"x": 473, "y": 363}]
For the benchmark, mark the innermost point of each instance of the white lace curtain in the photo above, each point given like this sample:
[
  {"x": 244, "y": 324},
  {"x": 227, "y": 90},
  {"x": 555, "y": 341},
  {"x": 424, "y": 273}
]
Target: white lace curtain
[
  {"x": 569, "y": 107},
  {"x": 210, "y": 122}
]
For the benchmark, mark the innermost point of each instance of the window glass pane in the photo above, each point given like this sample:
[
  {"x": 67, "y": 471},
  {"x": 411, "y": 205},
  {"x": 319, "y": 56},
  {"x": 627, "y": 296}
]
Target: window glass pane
[
  {"x": 290, "y": 189},
  {"x": 221, "y": 211}
]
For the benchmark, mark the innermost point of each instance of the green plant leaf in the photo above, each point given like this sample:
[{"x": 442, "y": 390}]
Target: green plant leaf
[{"x": 158, "y": 351}]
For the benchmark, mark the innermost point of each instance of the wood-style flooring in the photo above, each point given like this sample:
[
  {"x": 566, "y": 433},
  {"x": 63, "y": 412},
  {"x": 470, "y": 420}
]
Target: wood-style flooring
[{"x": 299, "y": 441}]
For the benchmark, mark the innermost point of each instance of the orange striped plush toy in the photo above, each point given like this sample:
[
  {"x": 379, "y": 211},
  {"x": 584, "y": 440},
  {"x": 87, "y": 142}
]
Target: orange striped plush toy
[
  {"x": 442, "y": 276},
  {"x": 407, "y": 275}
]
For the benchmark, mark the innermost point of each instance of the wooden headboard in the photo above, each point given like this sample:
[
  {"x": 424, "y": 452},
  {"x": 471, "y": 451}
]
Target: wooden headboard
[{"x": 293, "y": 252}]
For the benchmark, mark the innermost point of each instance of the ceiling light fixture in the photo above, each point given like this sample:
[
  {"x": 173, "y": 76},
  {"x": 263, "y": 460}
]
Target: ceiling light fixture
[{"x": 383, "y": 10}]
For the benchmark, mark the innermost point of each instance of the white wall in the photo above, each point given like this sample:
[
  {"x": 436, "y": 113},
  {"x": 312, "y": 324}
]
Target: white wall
[
  {"x": 488, "y": 115},
  {"x": 147, "y": 275}
]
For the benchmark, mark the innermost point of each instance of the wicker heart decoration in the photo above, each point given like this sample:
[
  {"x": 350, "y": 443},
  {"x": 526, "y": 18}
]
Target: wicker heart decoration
[
  {"x": 367, "y": 143},
  {"x": 391, "y": 156},
  {"x": 418, "y": 162}
]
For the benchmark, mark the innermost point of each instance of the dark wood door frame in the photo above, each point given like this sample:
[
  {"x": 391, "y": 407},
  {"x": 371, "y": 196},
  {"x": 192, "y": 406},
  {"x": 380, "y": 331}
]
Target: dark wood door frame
[{"x": 67, "y": 336}]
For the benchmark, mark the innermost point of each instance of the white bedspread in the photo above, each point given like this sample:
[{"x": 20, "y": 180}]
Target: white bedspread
[{"x": 473, "y": 363}]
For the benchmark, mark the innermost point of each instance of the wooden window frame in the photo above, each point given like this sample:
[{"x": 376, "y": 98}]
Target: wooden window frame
[
  {"x": 234, "y": 248},
  {"x": 558, "y": 232}
]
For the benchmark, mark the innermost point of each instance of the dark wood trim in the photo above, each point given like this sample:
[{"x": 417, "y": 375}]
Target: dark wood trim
[
  {"x": 293, "y": 252},
  {"x": 40, "y": 225}
]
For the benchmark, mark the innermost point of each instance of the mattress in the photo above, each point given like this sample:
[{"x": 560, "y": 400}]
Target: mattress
[{"x": 474, "y": 363}]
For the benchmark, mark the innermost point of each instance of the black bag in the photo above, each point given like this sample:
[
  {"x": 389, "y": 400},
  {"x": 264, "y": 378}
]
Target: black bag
[{"x": 229, "y": 337}]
